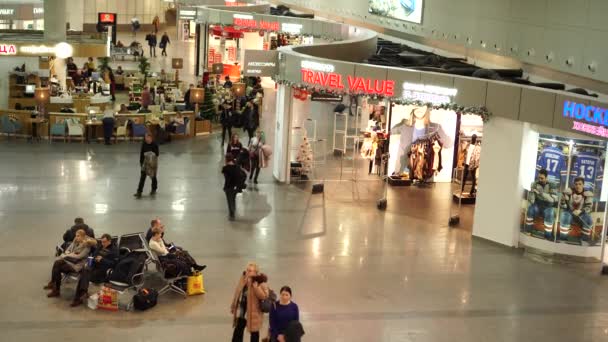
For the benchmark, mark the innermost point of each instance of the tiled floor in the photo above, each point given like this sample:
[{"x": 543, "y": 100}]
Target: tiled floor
[{"x": 358, "y": 274}]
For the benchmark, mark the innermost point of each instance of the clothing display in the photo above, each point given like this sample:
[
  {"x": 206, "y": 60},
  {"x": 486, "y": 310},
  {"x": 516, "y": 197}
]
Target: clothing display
[
  {"x": 425, "y": 157},
  {"x": 471, "y": 163},
  {"x": 553, "y": 159},
  {"x": 586, "y": 164}
]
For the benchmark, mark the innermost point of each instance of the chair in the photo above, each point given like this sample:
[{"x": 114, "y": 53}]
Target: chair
[
  {"x": 170, "y": 282},
  {"x": 75, "y": 129},
  {"x": 138, "y": 130},
  {"x": 134, "y": 283},
  {"x": 133, "y": 241},
  {"x": 58, "y": 129},
  {"x": 9, "y": 127},
  {"x": 121, "y": 131},
  {"x": 182, "y": 129}
]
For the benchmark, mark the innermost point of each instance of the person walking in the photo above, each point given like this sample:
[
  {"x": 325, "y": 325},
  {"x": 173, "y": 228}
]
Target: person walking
[
  {"x": 151, "y": 39},
  {"x": 148, "y": 160},
  {"x": 252, "y": 118},
  {"x": 233, "y": 180},
  {"x": 164, "y": 40},
  {"x": 226, "y": 121},
  {"x": 251, "y": 289},
  {"x": 282, "y": 314},
  {"x": 156, "y": 23},
  {"x": 256, "y": 155},
  {"x": 108, "y": 123}
]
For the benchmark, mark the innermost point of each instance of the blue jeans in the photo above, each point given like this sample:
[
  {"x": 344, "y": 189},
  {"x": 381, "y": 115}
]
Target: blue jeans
[
  {"x": 548, "y": 213},
  {"x": 565, "y": 221}
]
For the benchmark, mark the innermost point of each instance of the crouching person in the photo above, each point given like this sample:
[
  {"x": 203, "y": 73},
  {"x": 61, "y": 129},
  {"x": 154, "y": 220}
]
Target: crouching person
[
  {"x": 104, "y": 259},
  {"x": 71, "y": 261}
]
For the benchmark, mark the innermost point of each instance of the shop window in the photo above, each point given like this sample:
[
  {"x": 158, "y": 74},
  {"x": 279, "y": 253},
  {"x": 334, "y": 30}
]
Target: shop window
[{"x": 563, "y": 204}]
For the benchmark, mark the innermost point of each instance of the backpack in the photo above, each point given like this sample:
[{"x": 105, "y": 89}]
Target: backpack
[
  {"x": 268, "y": 304},
  {"x": 145, "y": 299}
]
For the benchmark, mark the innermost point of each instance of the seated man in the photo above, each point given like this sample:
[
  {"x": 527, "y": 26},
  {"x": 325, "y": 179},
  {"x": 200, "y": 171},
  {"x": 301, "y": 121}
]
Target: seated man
[
  {"x": 542, "y": 200},
  {"x": 576, "y": 205},
  {"x": 69, "y": 234},
  {"x": 72, "y": 260},
  {"x": 105, "y": 258}
]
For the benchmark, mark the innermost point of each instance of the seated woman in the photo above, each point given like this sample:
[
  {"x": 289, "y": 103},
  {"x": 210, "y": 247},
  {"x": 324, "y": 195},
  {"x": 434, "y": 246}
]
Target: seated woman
[
  {"x": 177, "y": 263},
  {"x": 72, "y": 260},
  {"x": 176, "y": 121}
]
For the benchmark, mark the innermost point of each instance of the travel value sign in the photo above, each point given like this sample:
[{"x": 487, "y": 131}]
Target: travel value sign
[{"x": 324, "y": 75}]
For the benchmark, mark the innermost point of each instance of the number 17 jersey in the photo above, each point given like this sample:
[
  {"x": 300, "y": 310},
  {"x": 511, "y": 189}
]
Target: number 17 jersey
[{"x": 553, "y": 160}]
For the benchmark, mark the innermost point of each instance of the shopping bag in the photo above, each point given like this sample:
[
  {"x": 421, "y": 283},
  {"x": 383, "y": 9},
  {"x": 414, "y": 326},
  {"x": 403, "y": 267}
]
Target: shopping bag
[
  {"x": 195, "y": 284},
  {"x": 108, "y": 299},
  {"x": 92, "y": 301}
]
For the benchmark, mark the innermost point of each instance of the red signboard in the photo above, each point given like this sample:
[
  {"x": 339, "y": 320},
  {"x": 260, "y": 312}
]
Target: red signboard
[
  {"x": 355, "y": 84},
  {"x": 252, "y": 23},
  {"x": 8, "y": 49},
  {"x": 107, "y": 18}
]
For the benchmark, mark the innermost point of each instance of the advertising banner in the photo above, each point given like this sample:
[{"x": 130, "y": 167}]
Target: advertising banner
[
  {"x": 263, "y": 63},
  {"x": 408, "y": 10}
]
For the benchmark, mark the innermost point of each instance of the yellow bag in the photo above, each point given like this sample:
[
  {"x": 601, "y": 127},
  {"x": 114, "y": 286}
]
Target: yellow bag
[{"x": 195, "y": 284}]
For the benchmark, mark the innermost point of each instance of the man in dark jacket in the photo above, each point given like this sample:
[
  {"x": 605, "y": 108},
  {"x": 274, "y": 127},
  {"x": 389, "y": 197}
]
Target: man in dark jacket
[
  {"x": 226, "y": 121},
  {"x": 164, "y": 40},
  {"x": 70, "y": 234},
  {"x": 148, "y": 160},
  {"x": 233, "y": 180},
  {"x": 151, "y": 38},
  {"x": 105, "y": 258},
  {"x": 189, "y": 106}
]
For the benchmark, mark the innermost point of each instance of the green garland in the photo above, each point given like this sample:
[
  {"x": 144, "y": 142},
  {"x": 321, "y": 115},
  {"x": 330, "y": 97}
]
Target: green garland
[{"x": 480, "y": 111}]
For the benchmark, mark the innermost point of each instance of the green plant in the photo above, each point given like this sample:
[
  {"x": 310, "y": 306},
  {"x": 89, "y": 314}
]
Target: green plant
[
  {"x": 104, "y": 64},
  {"x": 144, "y": 67},
  {"x": 208, "y": 107}
]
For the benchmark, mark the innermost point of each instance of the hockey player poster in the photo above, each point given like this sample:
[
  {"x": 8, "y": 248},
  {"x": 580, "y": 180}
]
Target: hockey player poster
[{"x": 563, "y": 204}]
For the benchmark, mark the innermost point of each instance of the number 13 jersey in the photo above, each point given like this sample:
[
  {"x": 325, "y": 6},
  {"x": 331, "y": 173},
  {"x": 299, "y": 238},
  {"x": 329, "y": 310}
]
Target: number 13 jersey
[{"x": 588, "y": 166}]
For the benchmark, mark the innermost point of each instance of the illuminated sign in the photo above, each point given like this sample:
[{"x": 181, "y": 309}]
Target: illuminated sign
[
  {"x": 7, "y": 11},
  {"x": 8, "y": 49},
  {"x": 244, "y": 20},
  {"x": 355, "y": 84},
  {"x": 291, "y": 28},
  {"x": 261, "y": 63},
  {"x": 107, "y": 18},
  {"x": 590, "y": 114},
  {"x": 428, "y": 93},
  {"x": 317, "y": 66},
  {"x": 38, "y": 10},
  {"x": 187, "y": 14}
]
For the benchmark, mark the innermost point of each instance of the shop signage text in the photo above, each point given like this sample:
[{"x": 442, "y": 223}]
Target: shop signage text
[
  {"x": 38, "y": 10},
  {"x": 244, "y": 20},
  {"x": 291, "y": 28},
  {"x": 355, "y": 84},
  {"x": 261, "y": 63},
  {"x": 428, "y": 93},
  {"x": 187, "y": 14},
  {"x": 8, "y": 49},
  {"x": 7, "y": 11},
  {"x": 325, "y": 97},
  {"x": 590, "y": 114}
]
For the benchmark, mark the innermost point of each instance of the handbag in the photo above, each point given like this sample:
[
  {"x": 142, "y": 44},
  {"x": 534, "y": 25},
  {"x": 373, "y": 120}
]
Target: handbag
[
  {"x": 195, "y": 284},
  {"x": 108, "y": 299}
]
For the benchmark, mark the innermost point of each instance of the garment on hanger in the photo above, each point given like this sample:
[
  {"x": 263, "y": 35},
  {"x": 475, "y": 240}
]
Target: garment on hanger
[
  {"x": 475, "y": 154},
  {"x": 425, "y": 157}
]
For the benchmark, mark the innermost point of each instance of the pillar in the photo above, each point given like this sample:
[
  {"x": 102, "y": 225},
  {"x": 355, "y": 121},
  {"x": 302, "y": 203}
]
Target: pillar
[
  {"x": 508, "y": 149},
  {"x": 55, "y": 17}
]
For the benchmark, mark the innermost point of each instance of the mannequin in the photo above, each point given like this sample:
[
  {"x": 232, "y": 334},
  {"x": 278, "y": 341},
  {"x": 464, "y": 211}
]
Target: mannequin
[{"x": 471, "y": 163}]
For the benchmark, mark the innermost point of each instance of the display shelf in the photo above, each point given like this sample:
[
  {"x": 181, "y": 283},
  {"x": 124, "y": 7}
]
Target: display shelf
[{"x": 398, "y": 181}]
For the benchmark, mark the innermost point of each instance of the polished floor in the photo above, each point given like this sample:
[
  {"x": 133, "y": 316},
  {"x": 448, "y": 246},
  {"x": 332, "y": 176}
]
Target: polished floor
[{"x": 358, "y": 274}]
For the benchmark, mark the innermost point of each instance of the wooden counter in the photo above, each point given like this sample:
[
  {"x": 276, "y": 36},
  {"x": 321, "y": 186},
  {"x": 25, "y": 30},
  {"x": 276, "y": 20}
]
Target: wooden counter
[{"x": 24, "y": 117}]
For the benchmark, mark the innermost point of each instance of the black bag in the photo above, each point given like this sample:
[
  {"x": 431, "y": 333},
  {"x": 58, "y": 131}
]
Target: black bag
[
  {"x": 237, "y": 120},
  {"x": 145, "y": 299},
  {"x": 128, "y": 266},
  {"x": 242, "y": 180},
  {"x": 267, "y": 304}
]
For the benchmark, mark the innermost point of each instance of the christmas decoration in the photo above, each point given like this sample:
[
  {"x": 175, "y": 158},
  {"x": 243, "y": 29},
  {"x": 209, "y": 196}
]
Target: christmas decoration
[
  {"x": 305, "y": 156},
  {"x": 480, "y": 111},
  {"x": 208, "y": 107}
]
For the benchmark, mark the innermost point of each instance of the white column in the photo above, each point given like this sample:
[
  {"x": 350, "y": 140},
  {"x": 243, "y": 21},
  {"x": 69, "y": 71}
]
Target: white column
[
  {"x": 75, "y": 15},
  {"x": 501, "y": 180},
  {"x": 55, "y": 17}
]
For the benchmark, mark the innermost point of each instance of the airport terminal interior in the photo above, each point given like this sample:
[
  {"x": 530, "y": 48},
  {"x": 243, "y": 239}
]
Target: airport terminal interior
[{"x": 416, "y": 171}]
